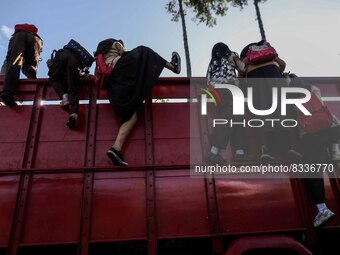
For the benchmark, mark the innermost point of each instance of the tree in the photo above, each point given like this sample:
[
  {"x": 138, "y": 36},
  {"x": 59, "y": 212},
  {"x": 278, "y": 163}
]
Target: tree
[
  {"x": 176, "y": 13},
  {"x": 203, "y": 12},
  {"x": 259, "y": 19},
  {"x": 242, "y": 3}
]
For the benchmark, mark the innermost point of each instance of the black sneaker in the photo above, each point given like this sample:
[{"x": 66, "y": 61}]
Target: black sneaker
[
  {"x": 8, "y": 99},
  {"x": 215, "y": 159},
  {"x": 72, "y": 121},
  {"x": 265, "y": 156},
  {"x": 176, "y": 62},
  {"x": 116, "y": 157}
]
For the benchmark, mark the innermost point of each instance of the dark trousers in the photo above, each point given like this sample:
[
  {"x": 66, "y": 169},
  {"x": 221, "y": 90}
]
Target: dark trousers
[
  {"x": 222, "y": 134},
  {"x": 23, "y": 52},
  {"x": 315, "y": 188},
  {"x": 65, "y": 78},
  {"x": 314, "y": 150}
]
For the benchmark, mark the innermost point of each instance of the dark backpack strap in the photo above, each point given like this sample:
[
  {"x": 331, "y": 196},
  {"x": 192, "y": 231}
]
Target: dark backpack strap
[{"x": 53, "y": 54}]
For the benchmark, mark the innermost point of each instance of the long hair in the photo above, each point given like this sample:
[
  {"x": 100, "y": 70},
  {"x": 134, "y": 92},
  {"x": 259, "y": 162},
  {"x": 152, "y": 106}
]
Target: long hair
[{"x": 105, "y": 45}]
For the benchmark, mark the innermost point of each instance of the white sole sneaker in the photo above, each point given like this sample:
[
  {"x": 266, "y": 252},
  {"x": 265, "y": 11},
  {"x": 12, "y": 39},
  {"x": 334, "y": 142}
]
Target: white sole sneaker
[{"x": 323, "y": 217}]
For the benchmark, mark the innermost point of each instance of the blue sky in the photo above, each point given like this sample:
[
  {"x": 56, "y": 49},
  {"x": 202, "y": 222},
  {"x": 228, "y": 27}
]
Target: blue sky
[{"x": 304, "y": 32}]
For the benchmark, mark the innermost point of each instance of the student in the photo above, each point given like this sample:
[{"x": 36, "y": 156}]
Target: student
[
  {"x": 133, "y": 75},
  {"x": 271, "y": 70},
  {"x": 314, "y": 151},
  {"x": 64, "y": 75},
  {"x": 222, "y": 70},
  {"x": 23, "y": 53}
]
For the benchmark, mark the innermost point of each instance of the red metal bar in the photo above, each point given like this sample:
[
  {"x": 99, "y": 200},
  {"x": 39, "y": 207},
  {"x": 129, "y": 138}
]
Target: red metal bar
[
  {"x": 25, "y": 178},
  {"x": 150, "y": 181},
  {"x": 213, "y": 214},
  {"x": 214, "y": 222},
  {"x": 83, "y": 248}
]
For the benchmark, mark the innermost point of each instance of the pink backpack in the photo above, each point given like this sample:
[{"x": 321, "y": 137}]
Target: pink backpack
[{"x": 261, "y": 52}]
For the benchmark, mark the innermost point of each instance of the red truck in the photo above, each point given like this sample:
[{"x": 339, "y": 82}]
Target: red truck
[{"x": 60, "y": 194}]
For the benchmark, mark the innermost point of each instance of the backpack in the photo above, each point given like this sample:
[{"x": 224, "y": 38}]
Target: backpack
[
  {"x": 321, "y": 118},
  {"x": 261, "y": 52},
  {"x": 102, "y": 71},
  {"x": 221, "y": 71},
  {"x": 84, "y": 56}
]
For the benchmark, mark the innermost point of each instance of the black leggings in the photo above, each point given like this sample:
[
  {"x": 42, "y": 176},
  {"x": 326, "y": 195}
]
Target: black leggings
[
  {"x": 222, "y": 134},
  {"x": 64, "y": 77},
  {"x": 314, "y": 150}
]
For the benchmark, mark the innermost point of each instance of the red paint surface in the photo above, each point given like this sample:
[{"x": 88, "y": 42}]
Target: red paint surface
[{"x": 120, "y": 198}]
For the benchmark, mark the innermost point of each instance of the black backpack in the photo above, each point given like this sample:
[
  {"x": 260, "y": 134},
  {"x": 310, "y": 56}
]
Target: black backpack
[{"x": 84, "y": 56}]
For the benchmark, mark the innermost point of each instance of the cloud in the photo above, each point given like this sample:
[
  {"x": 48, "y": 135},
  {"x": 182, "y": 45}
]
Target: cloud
[{"x": 7, "y": 31}]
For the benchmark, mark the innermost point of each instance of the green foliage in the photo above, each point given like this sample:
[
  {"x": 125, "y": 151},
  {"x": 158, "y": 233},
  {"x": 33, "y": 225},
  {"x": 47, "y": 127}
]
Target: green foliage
[
  {"x": 242, "y": 3},
  {"x": 173, "y": 9},
  {"x": 205, "y": 10}
]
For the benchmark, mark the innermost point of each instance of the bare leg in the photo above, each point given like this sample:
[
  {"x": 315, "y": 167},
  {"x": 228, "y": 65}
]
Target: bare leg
[
  {"x": 169, "y": 66},
  {"x": 124, "y": 131}
]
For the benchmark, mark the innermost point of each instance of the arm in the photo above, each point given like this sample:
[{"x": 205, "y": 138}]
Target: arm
[
  {"x": 281, "y": 63},
  {"x": 242, "y": 74},
  {"x": 237, "y": 63}
]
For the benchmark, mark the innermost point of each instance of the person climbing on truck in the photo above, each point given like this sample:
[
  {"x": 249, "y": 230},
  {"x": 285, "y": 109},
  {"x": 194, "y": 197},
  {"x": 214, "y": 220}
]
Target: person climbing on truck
[
  {"x": 222, "y": 70},
  {"x": 132, "y": 77},
  {"x": 23, "y": 53},
  {"x": 316, "y": 148},
  {"x": 64, "y": 73}
]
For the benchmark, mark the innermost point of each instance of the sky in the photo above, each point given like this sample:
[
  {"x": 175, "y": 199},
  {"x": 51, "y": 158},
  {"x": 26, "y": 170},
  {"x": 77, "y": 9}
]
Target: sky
[{"x": 305, "y": 33}]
